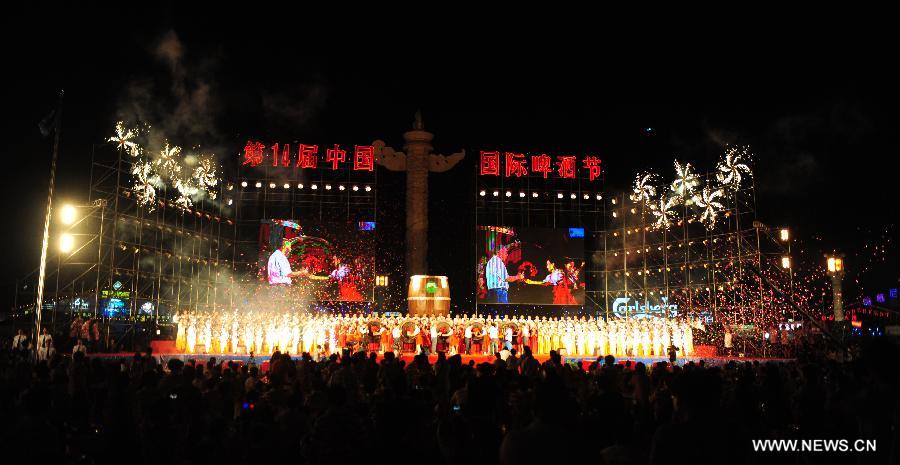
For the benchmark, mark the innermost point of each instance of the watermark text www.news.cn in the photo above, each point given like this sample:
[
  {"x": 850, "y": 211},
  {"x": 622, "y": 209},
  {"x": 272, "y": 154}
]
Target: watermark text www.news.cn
[{"x": 814, "y": 445}]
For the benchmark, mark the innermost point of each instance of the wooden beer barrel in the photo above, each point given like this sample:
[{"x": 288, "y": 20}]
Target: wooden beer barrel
[{"x": 428, "y": 296}]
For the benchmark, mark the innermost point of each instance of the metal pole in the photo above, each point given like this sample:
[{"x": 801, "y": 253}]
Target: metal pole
[{"x": 43, "y": 267}]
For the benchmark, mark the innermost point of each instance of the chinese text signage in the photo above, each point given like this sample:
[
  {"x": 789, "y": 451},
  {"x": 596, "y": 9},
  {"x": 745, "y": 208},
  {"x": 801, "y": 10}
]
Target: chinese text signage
[
  {"x": 516, "y": 165},
  {"x": 360, "y": 157}
]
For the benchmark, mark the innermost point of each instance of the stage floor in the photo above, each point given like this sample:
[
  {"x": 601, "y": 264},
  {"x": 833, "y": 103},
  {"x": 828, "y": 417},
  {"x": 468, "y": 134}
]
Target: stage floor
[{"x": 583, "y": 361}]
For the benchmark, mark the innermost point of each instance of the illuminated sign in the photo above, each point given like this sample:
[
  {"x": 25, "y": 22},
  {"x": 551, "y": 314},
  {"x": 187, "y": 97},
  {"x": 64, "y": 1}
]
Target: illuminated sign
[
  {"x": 366, "y": 225},
  {"x": 621, "y": 308},
  {"x": 361, "y": 157},
  {"x": 576, "y": 232},
  {"x": 107, "y": 294},
  {"x": 517, "y": 165}
]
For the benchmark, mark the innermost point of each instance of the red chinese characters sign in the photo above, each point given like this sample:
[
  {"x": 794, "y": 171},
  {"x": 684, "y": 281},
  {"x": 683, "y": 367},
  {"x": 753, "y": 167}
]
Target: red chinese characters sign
[
  {"x": 362, "y": 158},
  {"x": 515, "y": 165}
]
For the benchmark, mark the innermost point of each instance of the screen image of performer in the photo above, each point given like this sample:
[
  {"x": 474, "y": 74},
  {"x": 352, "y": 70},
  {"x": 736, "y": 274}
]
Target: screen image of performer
[
  {"x": 346, "y": 281},
  {"x": 497, "y": 278},
  {"x": 279, "y": 269}
]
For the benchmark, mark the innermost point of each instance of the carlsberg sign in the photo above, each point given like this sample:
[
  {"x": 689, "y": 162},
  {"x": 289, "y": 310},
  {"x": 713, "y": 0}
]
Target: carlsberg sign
[{"x": 621, "y": 307}]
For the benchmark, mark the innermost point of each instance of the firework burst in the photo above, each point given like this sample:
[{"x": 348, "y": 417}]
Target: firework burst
[
  {"x": 169, "y": 160},
  {"x": 143, "y": 184},
  {"x": 707, "y": 201},
  {"x": 124, "y": 139},
  {"x": 186, "y": 190},
  {"x": 730, "y": 169},
  {"x": 685, "y": 180},
  {"x": 643, "y": 190},
  {"x": 664, "y": 213},
  {"x": 205, "y": 176}
]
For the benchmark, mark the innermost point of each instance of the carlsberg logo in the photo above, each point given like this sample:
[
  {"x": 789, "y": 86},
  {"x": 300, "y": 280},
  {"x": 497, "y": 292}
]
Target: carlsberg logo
[{"x": 621, "y": 308}]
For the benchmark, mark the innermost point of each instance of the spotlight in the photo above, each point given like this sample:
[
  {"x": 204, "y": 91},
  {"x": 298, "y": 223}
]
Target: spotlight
[
  {"x": 613, "y": 201},
  {"x": 355, "y": 188},
  {"x": 572, "y": 196},
  {"x": 271, "y": 185},
  {"x": 314, "y": 187},
  {"x": 341, "y": 187},
  {"x": 599, "y": 197},
  {"x": 559, "y": 195},
  {"x": 258, "y": 184},
  {"x": 327, "y": 187},
  {"x": 66, "y": 243},
  {"x": 287, "y": 186},
  {"x": 508, "y": 194},
  {"x": 300, "y": 186},
  {"x": 243, "y": 183},
  {"x": 785, "y": 235},
  {"x": 496, "y": 193},
  {"x": 368, "y": 188},
  {"x": 67, "y": 215},
  {"x": 481, "y": 193},
  {"x": 615, "y": 215},
  {"x": 586, "y": 197},
  {"x": 230, "y": 201},
  {"x": 521, "y": 195},
  {"x": 534, "y": 194}
]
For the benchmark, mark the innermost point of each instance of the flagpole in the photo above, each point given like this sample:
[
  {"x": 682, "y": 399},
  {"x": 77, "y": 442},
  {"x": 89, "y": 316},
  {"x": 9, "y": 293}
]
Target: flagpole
[{"x": 43, "y": 268}]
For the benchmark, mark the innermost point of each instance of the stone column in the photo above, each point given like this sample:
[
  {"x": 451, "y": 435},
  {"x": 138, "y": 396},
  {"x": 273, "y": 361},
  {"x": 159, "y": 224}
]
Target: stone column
[{"x": 418, "y": 148}]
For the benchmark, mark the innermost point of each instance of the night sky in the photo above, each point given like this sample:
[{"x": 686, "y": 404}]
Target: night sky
[{"x": 822, "y": 124}]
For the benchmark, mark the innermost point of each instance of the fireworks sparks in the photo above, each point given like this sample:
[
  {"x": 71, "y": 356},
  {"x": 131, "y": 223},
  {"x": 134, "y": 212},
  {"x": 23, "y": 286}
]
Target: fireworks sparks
[
  {"x": 685, "y": 180},
  {"x": 169, "y": 160},
  {"x": 143, "y": 185},
  {"x": 731, "y": 167},
  {"x": 186, "y": 190},
  {"x": 205, "y": 176},
  {"x": 709, "y": 205},
  {"x": 643, "y": 190},
  {"x": 124, "y": 139},
  {"x": 663, "y": 212}
]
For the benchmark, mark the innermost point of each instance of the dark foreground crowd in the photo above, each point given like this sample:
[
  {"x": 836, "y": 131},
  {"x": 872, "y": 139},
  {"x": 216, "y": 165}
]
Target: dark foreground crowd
[{"x": 358, "y": 410}]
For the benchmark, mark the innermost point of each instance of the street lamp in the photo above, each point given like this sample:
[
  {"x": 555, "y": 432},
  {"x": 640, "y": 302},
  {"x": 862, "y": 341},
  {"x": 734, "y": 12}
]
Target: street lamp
[
  {"x": 836, "y": 270},
  {"x": 786, "y": 263}
]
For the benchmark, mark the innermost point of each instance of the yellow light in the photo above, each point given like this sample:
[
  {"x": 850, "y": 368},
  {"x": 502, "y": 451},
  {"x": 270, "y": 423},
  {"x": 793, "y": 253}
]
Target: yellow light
[
  {"x": 381, "y": 281},
  {"x": 66, "y": 243},
  {"x": 785, "y": 262},
  {"x": 67, "y": 215},
  {"x": 838, "y": 264},
  {"x": 785, "y": 235}
]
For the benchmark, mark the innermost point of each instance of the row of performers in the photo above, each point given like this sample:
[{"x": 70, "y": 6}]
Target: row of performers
[{"x": 241, "y": 333}]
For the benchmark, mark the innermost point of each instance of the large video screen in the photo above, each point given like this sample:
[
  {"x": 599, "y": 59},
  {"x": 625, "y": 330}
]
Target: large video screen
[
  {"x": 326, "y": 262},
  {"x": 530, "y": 266}
]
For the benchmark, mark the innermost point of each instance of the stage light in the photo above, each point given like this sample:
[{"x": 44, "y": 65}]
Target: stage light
[
  {"x": 521, "y": 195},
  {"x": 633, "y": 211},
  {"x": 615, "y": 215},
  {"x": 786, "y": 262},
  {"x": 258, "y": 184},
  {"x": 508, "y": 194},
  {"x": 271, "y": 185},
  {"x": 314, "y": 187},
  {"x": 300, "y": 186},
  {"x": 835, "y": 265},
  {"x": 559, "y": 195},
  {"x": 587, "y": 197},
  {"x": 613, "y": 201},
  {"x": 599, "y": 197},
  {"x": 355, "y": 188},
  {"x": 66, "y": 243},
  {"x": 327, "y": 187},
  {"x": 368, "y": 188},
  {"x": 67, "y": 215},
  {"x": 287, "y": 186},
  {"x": 572, "y": 196},
  {"x": 785, "y": 235},
  {"x": 534, "y": 194},
  {"x": 230, "y": 201},
  {"x": 243, "y": 183},
  {"x": 481, "y": 193},
  {"x": 341, "y": 187}
]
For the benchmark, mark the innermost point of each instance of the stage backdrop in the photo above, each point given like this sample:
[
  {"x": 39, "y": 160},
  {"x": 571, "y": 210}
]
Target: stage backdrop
[
  {"x": 546, "y": 263},
  {"x": 338, "y": 258}
]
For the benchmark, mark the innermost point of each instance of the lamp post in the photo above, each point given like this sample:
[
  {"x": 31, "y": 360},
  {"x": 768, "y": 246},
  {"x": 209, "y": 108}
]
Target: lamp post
[{"x": 836, "y": 270}]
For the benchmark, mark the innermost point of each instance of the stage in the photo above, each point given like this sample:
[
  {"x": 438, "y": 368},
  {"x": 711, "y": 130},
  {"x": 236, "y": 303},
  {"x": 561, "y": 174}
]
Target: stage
[{"x": 477, "y": 359}]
